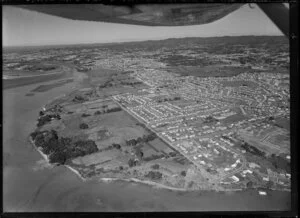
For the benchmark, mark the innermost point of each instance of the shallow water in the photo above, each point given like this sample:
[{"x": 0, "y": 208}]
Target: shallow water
[{"x": 29, "y": 184}]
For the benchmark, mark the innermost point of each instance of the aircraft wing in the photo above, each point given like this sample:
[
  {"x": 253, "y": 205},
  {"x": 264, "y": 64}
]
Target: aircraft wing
[{"x": 140, "y": 14}]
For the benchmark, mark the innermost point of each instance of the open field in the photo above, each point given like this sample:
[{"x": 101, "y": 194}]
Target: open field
[
  {"x": 161, "y": 146},
  {"x": 283, "y": 122}
]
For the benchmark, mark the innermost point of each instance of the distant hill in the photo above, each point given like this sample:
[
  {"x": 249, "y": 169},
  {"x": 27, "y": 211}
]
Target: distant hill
[
  {"x": 204, "y": 40},
  {"x": 155, "y": 44}
]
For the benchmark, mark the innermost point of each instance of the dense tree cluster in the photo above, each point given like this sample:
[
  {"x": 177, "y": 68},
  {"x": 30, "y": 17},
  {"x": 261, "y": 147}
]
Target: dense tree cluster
[
  {"x": 117, "y": 146},
  {"x": 78, "y": 98},
  {"x": 141, "y": 124},
  {"x": 107, "y": 110},
  {"x": 115, "y": 109},
  {"x": 253, "y": 150},
  {"x": 132, "y": 163},
  {"x": 183, "y": 173},
  {"x": 145, "y": 138},
  {"x": 85, "y": 115},
  {"x": 97, "y": 113},
  {"x": 62, "y": 149},
  {"x": 173, "y": 154},
  {"x": 228, "y": 138},
  {"x": 154, "y": 175},
  {"x": 83, "y": 126},
  {"x": 210, "y": 119},
  {"x": 155, "y": 166},
  {"x": 47, "y": 118}
]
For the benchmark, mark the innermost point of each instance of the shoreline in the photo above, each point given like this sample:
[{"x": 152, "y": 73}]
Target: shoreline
[
  {"x": 135, "y": 180},
  {"x": 150, "y": 183},
  {"x": 9, "y": 77},
  {"x": 76, "y": 172},
  {"x": 153, "y": 184}
]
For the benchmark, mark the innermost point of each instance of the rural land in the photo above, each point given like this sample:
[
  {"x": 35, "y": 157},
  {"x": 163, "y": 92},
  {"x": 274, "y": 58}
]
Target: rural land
[{"x": 183, "y": 114}]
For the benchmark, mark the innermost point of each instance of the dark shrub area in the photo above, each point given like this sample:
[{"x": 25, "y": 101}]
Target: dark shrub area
[
  {"x": 85, "y": 115},
  {"x": 154, "y": 175},
  {"x": 155, "y": 166},
  {"x": 253, "y": 150},
  {"x": 97, "y": 113},
  {"x": 146, "y": 138},
  {"x": 115, "y": 109},
  {"x": 83, "y": 126},
  {"x": 62, "y": 149},
  {"x": 183, "y": 173},
  {"x": 47, "y": 118},
  {"x": 78, "y": 99},
  {"x": 117, "y": 146},
  {"x": 132, "y": 163}
]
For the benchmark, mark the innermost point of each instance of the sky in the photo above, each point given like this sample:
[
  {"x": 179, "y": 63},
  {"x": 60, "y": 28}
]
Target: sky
[{"x": 24, "y": 28}]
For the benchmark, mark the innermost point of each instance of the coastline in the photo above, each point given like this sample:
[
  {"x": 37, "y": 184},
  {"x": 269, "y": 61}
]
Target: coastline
[
  {"x": 135, "y": 180},
  {"x": 76, "y": 172},
  {"x": 39, "y": 150},
  {"x": 151, "y": 183},
  {"x": 9, "y": 77},
  {"x": 154, "y": 184}
]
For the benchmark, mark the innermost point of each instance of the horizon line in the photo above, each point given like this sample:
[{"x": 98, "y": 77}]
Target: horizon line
[{"x": 134, "y": 40}]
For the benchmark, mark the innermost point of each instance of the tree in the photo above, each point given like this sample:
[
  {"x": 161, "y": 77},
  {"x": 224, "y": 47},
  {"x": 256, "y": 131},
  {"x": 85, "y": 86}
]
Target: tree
[
  {"x": 78, "y": 98},
  {"x": 83, "y": 126},
  {"x": 131, "y": 163},
  {"x": 43, "y": 120},
  {"x": 34, "y": 134},
  {"x": 97, "y": 113},
  {"x": 85, "y": 115},
  {"x": 249, "y": 184},
  {"x": 42, "y": 113},
  {"x": 139, "y": 140},
  {"x": 172, "y": 154},
  {"x": 155, "y": 166},
  {"x": 117, "y": 146},
  {"x": 139, "y": 153},
  {"x": 154, "y": 175},
  {"x": 183, "y": 173},
  {"x": 57, "y": 157}
]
